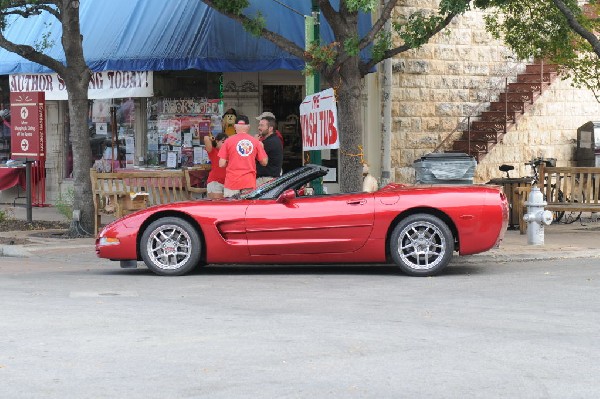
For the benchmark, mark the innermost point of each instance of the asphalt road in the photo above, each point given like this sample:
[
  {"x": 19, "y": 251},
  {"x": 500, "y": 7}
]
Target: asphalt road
[{"x": 73, "y": 326}]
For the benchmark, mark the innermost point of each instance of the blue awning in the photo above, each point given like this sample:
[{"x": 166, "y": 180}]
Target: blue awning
[{"x": 155, "y": 35}]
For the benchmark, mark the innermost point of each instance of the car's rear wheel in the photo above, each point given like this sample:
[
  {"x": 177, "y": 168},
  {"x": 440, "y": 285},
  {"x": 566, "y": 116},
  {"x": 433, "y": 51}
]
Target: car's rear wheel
[
  {"x": 171, "y": 246},
  {"x": 421, "y": 245}
]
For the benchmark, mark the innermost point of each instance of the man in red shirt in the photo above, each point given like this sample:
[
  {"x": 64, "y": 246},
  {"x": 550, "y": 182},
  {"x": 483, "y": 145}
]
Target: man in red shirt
[{"x": 238, "y": 155}]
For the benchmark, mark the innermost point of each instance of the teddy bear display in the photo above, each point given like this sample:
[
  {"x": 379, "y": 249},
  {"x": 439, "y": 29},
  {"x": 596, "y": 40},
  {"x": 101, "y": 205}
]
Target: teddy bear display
[{"x": 229, "y": 122}]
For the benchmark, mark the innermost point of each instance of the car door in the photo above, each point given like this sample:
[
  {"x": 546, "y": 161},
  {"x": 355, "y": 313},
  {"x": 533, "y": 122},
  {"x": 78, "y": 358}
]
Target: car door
[{"x": 309, "y": 225}]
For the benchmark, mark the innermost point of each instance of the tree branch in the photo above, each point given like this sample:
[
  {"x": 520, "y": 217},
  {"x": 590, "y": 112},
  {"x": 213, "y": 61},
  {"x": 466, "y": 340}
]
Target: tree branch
[
  {"x": 329, "y": 13},
  {"x": 577, "y": 27},
  {"x": 32, "y": 54},
  {"x": 386, "y": 14},
  {"x": 25, "y": 9},
  {"x": 276, "y": 38},
  {"x": 366, "y": 67}
]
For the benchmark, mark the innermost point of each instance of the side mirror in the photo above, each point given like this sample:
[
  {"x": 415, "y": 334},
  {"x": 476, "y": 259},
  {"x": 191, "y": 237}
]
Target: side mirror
[{"x": 286, "y": 196}]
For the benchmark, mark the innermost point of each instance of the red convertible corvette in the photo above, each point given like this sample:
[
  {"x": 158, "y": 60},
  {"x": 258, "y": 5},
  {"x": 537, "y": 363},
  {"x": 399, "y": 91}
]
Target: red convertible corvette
[{"x": 416, "y": 227}]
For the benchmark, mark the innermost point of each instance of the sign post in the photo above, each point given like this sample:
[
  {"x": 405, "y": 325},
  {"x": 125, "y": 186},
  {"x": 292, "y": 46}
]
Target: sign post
[{"x": 28, "y": 134}]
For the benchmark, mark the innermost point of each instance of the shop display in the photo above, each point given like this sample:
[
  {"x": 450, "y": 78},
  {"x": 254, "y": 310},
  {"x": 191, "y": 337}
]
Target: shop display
[{"x": 180, "y": 125}]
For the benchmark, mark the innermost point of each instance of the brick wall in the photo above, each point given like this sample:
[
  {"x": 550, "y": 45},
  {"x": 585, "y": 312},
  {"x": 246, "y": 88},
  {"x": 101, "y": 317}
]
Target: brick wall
[{"x": 455, "y": 76}]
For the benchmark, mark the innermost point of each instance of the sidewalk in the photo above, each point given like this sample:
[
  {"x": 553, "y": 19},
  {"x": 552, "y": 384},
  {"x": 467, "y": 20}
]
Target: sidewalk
[{"x": 577, "y": 240}]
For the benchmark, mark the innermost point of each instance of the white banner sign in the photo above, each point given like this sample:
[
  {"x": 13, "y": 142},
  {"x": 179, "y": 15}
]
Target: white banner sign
[
  {"x": 318, "y": 119},
  {"x": 103, "y": 85}
]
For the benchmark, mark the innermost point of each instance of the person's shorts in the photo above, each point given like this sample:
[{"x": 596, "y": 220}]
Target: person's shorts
[
  {"x": 215, "y": 187},
  {"x": 230, "y": 193}
]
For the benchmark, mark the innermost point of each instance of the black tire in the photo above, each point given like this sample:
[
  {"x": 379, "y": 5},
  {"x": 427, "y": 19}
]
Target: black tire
[
  {"x": 573, "y": 216},
  {"x": 556, "y": 215},
  {"x": 422, "y": 245},
  {"x": 171, "y": 246}
]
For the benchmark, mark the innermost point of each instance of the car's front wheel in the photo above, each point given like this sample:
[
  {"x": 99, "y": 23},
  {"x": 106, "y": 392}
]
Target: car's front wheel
[
  {"x": 421, "y": 245},
  {"x": 171, "y": 246}
]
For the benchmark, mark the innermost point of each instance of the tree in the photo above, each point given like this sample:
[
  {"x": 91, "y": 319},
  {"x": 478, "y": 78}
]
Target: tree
[
  {"x": 561, "y": 31},
  {"x": 340, "y": 63},
  {"x": 76, "y": 75}
]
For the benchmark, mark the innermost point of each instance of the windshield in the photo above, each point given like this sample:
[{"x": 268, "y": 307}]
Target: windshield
[{"x": 280, "y": 182}]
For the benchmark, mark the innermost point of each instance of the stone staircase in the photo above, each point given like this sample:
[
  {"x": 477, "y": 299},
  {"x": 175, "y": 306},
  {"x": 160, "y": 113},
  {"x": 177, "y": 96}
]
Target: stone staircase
[{"x": 488, "y": 129}]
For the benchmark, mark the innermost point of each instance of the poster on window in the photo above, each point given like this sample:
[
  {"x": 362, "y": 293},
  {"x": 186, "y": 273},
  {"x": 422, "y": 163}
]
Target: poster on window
[
  {"x": 187, "y": 157},
  {"x": 171, "y": 159},
  {"x": 101, "y": 111},
  {"x": 170, "y": 129},
  {"x": 152, "y": 136}
]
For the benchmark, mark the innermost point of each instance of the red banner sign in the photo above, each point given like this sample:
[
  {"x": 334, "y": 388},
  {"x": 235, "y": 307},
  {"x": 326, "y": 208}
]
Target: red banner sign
[{"x": 28, "y": 125}]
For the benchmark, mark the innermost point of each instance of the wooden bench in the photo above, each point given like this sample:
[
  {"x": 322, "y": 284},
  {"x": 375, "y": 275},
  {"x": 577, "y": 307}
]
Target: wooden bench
[
  {"x": 124, "y": 192},
  {"x": 580, "y": 188}
]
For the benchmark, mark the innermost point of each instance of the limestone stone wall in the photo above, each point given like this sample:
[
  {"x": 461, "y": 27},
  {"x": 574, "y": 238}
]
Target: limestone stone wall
[
  {"x": 455, "y": 76},
  {"x": 548, "y": 130}
]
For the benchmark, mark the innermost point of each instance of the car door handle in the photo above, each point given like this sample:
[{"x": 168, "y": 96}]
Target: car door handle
[{"x": 357, "y": 202}]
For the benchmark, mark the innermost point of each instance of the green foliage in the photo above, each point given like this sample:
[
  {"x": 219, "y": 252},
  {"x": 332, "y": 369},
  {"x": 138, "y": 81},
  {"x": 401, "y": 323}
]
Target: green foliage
[
  {"x": 351, "y": 45},
  {"x": 64, "y": 204},
  {"x": 532, "y": 28},
  {"x": 320, "y": 55},
  {"x": 383, "y": 42},
  {"x": 417, "y": 29},
  {"x": 4, "y": 215},
  {"x": 45, "y": 43},
  {"x": 361, "y": 5},
  {"x": 232, "y": 6},
  {"x": 537, "y": 28},
  {"x": 255, "y": 25},
  {"x": 454, "y": 7}
]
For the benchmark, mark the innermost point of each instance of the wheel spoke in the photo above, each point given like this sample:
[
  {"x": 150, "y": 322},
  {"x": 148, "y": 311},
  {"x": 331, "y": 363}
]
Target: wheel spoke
[
  {"x": 169, "y": 247},
  {"x": 421, "y": 245}
]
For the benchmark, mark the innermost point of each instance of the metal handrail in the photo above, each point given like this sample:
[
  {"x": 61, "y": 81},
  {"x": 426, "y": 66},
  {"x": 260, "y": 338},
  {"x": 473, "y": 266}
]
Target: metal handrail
[{"x": 495, "y": 90}]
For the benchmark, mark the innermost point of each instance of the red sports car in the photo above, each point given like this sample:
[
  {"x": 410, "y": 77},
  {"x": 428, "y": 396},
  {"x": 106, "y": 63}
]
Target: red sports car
[{"x": 416, "y": 227}]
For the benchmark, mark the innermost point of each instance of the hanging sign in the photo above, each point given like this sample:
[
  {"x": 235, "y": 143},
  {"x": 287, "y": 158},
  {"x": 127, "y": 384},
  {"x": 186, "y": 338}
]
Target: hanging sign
[
  {"x": 103, "y": 84},
  {"x": 28, "y": 127},
  {"x": 318, "y": 119}
]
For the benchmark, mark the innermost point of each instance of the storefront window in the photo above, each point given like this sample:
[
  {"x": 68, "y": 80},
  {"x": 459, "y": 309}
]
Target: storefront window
[
  {"x": 112, "y": 137},
  {"x": 177, "y": 127}
]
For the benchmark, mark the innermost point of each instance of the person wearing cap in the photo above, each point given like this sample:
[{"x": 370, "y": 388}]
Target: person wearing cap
[
  {"x": 273, "y": 148},
  {"x": 216, "y": 176},
  {"x": 238, "y": 155},
  {"x": 271, "y": 115}
]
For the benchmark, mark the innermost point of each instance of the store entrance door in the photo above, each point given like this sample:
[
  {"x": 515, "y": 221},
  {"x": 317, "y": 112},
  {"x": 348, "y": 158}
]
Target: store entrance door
[{"x": 284, "y": 101}]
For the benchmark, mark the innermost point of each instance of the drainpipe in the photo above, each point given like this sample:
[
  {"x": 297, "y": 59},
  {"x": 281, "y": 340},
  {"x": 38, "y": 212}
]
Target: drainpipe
[{"x": 386, "y": 136}]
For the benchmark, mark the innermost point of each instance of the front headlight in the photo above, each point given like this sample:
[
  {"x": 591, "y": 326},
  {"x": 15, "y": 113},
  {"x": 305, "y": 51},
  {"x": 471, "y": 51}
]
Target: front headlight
[{"x": 108, "y": 241}]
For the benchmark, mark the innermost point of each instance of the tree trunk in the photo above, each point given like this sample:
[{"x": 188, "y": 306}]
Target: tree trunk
[
  {"x": 82, "y": 161},
  {"x": 348, "y": 86},
  {"x": 77, "y": 78}
]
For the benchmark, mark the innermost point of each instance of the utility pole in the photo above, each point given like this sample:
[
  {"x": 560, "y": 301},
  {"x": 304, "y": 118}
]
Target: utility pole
[{"x": 386, "y": 162}]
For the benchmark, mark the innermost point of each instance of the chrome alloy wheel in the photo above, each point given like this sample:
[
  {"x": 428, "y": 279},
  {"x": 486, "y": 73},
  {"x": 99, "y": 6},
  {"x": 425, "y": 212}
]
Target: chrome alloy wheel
[
  {"x": 169, "y": 247},
  {"x": 421, "y": 245}
]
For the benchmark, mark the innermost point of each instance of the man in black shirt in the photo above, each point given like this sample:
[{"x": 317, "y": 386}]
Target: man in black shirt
[{"x": 273, "y": 148}]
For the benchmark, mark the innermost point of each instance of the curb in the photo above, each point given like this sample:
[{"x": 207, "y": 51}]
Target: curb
[
  {"x": 30, "y": 250},
  {"x": 522, "y": 257}
]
